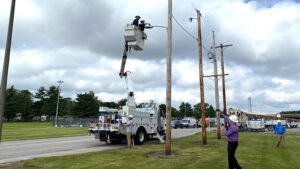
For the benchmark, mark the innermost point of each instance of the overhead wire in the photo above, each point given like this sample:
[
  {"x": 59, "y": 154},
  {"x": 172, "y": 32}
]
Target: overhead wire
[
  {"x": 187, "y": 32},
  {"x": 209, "y": 52},
  {"x": 212, "y": 29},
  {"x": 192, "y": 4},
  {"x": 184, "y": 29}
]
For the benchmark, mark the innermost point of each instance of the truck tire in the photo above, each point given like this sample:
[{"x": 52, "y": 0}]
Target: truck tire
[
  {"x": 270, "y": 128},
  {"x": 140, "y": 136}
]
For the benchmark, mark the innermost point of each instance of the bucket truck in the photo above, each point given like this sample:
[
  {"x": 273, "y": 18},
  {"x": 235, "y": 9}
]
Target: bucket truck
[
  {"x": 134, "y": 38},
  {"x": 147, "y": 121}
]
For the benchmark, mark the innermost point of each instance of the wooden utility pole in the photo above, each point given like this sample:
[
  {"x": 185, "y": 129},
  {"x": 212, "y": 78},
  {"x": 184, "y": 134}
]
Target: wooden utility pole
[
  {"x": 202, "y": 101},
  {"x": 6, "y": 63},
  {"x": 216, "y": 86},
  {"x": 223, "y": 75},
  {"x": 169, "y": 75}
]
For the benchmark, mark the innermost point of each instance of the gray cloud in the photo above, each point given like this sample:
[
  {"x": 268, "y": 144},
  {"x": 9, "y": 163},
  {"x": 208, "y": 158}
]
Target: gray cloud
[{"x": 81, "y": 42}]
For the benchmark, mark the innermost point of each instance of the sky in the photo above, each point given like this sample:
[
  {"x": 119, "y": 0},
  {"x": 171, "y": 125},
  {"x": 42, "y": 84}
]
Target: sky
[{"x": 81, "y": 42}]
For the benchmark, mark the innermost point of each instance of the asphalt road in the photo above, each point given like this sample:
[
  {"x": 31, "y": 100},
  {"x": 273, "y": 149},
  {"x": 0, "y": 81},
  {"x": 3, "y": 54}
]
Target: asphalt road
[{"x": 23, "y": 150}]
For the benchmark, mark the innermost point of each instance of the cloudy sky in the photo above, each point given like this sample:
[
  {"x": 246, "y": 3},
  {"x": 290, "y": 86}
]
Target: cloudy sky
[{"x": 81, "y": 42}]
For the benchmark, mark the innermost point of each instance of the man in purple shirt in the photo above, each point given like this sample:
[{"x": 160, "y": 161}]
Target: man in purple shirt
[{"x": 232, "y": 134}]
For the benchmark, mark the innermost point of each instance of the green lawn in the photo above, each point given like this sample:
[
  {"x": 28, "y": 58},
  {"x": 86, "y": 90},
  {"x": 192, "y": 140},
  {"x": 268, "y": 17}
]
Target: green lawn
[
  {"x": 255, "y": 151},
  {"x": 37, "y": 130}
]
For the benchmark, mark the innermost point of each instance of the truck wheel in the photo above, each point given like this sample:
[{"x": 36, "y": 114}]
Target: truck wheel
[
  {"x": 140, "y": 136},
  {"x": 270, "y": 128}
]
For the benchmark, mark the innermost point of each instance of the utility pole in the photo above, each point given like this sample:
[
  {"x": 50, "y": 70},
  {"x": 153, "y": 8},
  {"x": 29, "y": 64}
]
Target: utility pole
[
  {"x": 59, "y": 82},
  {"x": 185, "y": 110},
  {"x": 249, "y": 105},
  {"x": 216, "y": 86},
  {"x": 6, "y": 63},
  {"x": 201, "y": 79},
  {"x": 169, "y": 75},
  {"x": 223, "y": 75}
]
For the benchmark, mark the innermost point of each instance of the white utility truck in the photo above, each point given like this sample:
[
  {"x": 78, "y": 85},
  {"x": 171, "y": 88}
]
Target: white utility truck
[
  {"x": 255, "y": 123},
  {"x": 189, "y": 122},
  {"x": 147, "y": 121},
  {"x": 270, "y": 124}
]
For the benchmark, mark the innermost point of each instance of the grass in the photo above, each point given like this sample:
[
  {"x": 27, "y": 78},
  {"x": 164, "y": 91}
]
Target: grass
[
  {"x": 255, "y": 151},
  {"x": 13, "y": 131}
]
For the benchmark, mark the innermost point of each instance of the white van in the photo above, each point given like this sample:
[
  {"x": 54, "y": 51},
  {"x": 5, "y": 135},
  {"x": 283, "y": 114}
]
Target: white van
[{"x": 189, "y": 122}]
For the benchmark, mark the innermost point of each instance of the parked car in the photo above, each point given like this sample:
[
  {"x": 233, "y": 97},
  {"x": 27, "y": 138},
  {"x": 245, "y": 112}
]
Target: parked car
[
  {"x": 177, "y": 124},
  {"x": 189, "y": 122}
]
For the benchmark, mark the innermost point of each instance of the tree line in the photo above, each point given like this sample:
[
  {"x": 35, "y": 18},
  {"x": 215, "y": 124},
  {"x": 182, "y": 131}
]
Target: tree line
[
  {"x": 44, "y": 101},
  {"x": 290, "y": 112},
  {"x": 186, "y": 110}
]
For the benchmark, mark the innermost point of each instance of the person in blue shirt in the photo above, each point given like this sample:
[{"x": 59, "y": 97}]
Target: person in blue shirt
[
  {"x": 280, "y": 130},
  {"x": 136, "y": 20},
  {"x": 142, "y": 25}
]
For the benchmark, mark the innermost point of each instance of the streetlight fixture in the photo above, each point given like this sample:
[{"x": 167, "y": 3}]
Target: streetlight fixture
[{"x": 59, "y": 82}]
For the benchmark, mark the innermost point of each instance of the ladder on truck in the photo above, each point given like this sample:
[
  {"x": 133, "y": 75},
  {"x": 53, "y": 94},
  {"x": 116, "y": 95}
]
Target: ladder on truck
[{"x": 134, "y": 38}]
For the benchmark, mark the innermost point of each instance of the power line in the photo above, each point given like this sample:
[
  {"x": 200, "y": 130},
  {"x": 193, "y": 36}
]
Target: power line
[
  {"x": 192, "y": 4},
  {"x": 192, "y": 36},
  {"x": 212, "y": 29},
  {"x": 208, "y": 51},
  {"x": 184, "y": 29}
]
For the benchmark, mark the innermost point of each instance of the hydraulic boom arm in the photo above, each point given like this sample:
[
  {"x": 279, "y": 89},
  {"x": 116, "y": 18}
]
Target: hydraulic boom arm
[{"x": 121, "y": 74}]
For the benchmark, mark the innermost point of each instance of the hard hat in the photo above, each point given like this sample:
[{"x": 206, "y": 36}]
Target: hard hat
[
  {"x": 233, "y": 118},
  {"x": 137, "y": 16},
  {"x": 278, "y": 121},
  {"x": 130, "y": 116}
]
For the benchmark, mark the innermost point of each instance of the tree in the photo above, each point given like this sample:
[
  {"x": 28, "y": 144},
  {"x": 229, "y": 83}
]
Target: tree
[
  {"x": 163, "y": 107},
  {"x": 290, "y": 112},
  {"x": 18, "y": 102},
  {"x": 112, "y": 105},
  {"x": 122, "y": 102},
  {"x": 175, "y": 113},
  {"x": 209, "y": 110},
  {"x": 25, "y": 102},
  {"x": 50, "y": 101},
  {"x": 140, "y": 105},
  {"x": 66, "y": 106},
  {"x": 41, "y": 93},
  {"x": 11, "y": 104},
  {"x": 86, "y": 105},
  {"x": 185, "y": 110},
  {"x": 40, "y": 96}
]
